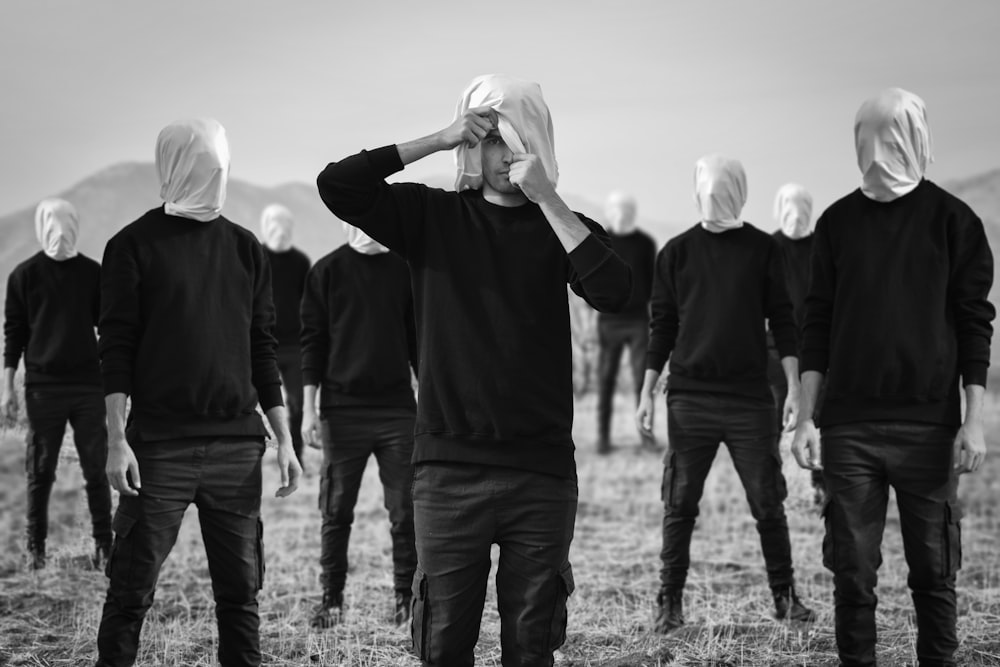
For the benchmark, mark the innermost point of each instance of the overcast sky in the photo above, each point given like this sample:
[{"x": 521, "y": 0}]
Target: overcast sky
[{"x": 638, "y": 90}]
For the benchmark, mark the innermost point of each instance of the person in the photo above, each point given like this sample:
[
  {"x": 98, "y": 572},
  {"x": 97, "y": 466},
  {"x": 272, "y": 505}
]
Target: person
[
  {"x": 289, "y": 267},
  {"x": 185, "y": 332},
  {"x": 716, "y": 287},
  {"x": 358, "y": 348},
  {"x": 630, "y": 327},
  {"x": 493, "y": 449},
  {"x": 53, "y": 300},
  {"x": 897, "y": 320},
  {"x": 793, "y": 210}
]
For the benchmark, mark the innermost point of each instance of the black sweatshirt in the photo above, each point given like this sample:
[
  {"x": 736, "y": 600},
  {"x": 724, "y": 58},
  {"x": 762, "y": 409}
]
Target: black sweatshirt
[
  {"x": 898, "y": 307},
  {"x": 489, "y": 288},
  {"x": 186, "y": 321},
  {"x": 714, "y": 294},
  {"x": 50, "y": 315},
  {"x": 358, "y": 333},
  {"x": 638, "y": 250},
  {"x": 288, "y": 281},
  {"x": 795, "y": 258}
]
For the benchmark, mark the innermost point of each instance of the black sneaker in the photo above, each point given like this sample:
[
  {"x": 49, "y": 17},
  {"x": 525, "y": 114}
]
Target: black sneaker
[
  {"x": 402, "y": 614},
  {"x": 102, "y": 551},
  {"x": 329, "y": 612},
  {"x": 604, "y": 446},
  {"x": 36, "y": 555},
  {"x": 787, "y": 606},
  {"x": 669, "y": 610}
]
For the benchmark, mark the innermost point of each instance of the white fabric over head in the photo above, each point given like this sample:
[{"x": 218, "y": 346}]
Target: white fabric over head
[
  {"x": 893, "y": 143},
  {"x": 276, "y": 225},
  {"x": 720, "y": 191},
  {"x": 523, "y": 121},
  {"x": 192, "y": 160},
  {"x": 793, "y": 210},
  {"x": 57, "y": 227},
  {"x": 619, "y": 211},
  {"x": 361, "y": 242}
]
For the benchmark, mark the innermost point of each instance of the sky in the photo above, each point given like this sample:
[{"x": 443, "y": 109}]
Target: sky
[{"x": 638, "y": 90}]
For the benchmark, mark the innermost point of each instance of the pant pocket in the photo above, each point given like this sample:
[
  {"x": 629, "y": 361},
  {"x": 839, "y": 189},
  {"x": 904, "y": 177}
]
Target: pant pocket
[
  {"x": 829, "y": 550},
  {"x": 564, "y": 588},
  {"x": 260, "y": 554},
  {"x": 669, "y": 480},
  {"x": 952, "y": 538},
  {"x": 119, "y": 564},
  {"x": 325, "y": 488},
  {"x": 420, "y": 614}
]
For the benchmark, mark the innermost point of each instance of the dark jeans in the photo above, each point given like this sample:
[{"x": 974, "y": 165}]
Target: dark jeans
[
  {"x": 222, "y": 477},
  {"x": 290, "y": 367},
  {"x": 696, "y": 424},
  {"x": 613, "y": 335},
  {"x": 49, "y": 408},
  {"x": 860, "y": 463},
  {"x": 350, "y": 436},
  {"x": 460, "y": 511}
]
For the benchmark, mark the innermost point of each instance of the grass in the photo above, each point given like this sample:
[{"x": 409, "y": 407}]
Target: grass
[{"x": 50, "y": 617}]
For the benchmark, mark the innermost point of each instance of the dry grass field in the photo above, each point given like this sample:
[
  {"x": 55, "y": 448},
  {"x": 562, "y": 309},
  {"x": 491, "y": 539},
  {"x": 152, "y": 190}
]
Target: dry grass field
[{"x": 50, "y": 617}]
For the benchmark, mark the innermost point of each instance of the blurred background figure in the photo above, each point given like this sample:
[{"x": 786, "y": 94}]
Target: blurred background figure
[
  {"x": 289, "y": 267},
  {"x": 630, "y": 327},
  {"x": 53, "y": 302}
]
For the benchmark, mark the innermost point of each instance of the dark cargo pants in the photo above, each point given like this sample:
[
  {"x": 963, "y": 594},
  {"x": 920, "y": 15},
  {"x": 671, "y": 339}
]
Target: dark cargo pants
[
  {"x": 696, "y": 423},
  {"x": 222, "y": 477},
  {"x": 350, "y": 436},
  {"x": 614, "y": 335},
  {"x": 460, "y": 511},
  {"x": 860, "y": 463},
  {"x": 49, "y": 408}
]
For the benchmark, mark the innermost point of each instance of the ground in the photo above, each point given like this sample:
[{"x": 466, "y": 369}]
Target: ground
[{"x": 50, "y": 617}]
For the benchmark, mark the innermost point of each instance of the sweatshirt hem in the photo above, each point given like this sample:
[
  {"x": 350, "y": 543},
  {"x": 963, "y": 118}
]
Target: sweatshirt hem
[{"x": 550, "y": 456}]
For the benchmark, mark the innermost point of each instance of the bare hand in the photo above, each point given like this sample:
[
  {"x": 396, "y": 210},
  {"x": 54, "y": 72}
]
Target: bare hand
[
  {"x": 121, "y": 466},
  {"x": 528, "y": 173},
  {"x": 790, "y": 411},
  {"x": 806, "y": 446},
  {"x": 644, "y": 414},
  {"x": 8, "y": 404},
  {"x": 970, "y": 448},
  {"x": 290, "y": 469},
  {"x": 310, "y": 429},
  {"x": 471, "y": 128}
]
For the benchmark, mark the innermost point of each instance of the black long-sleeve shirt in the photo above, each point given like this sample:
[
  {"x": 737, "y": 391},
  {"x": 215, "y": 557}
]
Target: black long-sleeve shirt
[
  {"x": 898, "y": 311},
  {"x": 489, "y": 287},
  {"x": 186, "y": 321},
  {"x": 50, "y": 314},
  {"x": 795, "y": 258},
  {"x": 714, "y": 295},
  {"x": 288, "y": 281},
  {"x": 638, "y": 250},
  {"x": 358, "y": 331}
]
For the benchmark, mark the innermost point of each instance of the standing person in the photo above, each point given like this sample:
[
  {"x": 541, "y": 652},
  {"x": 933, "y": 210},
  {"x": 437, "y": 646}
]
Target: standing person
[
  {"x": 53, "y": 301},
  {"x": 630, "y": 327},
  {"x": 793, "y": 210},
  {"x": 718, "y": 286},
  {"x": 358, "y": 346},
  {"x": 289, "y": 267},
  {"x": 897, "y": 319},
  {"x": 493, "y": 449},
  {"x": 186, "y": 320}
]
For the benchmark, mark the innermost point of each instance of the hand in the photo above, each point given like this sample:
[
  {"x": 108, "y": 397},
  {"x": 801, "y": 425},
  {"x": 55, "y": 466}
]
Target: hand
[
  {"x": 806, "y": 446},
  {"x": 8, "y": 404},
  {"x": 970, "y": 448},
  {"x": 289, "y": 467},
  {"x": 471, "y": 128},
  {"x": 528, "y": 174},
  {"x": 122, "y": 465},
  {"x": 644, "y": 414},
  {"x": 310, "y": 429},
  {"x": 790, "y": 411}
]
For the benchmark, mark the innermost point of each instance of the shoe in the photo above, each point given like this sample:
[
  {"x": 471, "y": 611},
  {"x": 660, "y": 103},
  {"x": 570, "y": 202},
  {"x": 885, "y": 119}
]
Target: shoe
[
  {"x": 329, "y": 612},
  {"x": 604, "y": 446},
  {"x": 669, "y": 610},
  {"x": 36, "y": 555},
  {"x": 787, "y": 606},
  {"x": 102, "y": 551},
  {"x": 402, "y": 615}
]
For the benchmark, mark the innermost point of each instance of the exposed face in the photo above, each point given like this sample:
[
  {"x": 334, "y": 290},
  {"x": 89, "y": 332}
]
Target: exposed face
[{"x": 496, "y": 158}]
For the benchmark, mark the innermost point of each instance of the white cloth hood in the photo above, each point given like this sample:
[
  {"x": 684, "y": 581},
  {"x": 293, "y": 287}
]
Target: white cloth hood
[
  {"x": 57, "y": 226},
  {"x": 893, "y": 142},
  {"x": 361, "y": 242},
  {"x": 523, "y": 121},
  {"x": 793, "y": 207},
  {"x": 276, "y": 224},
  {"x": 192, "y": 160},
  {"x": 720, "y": 191},
  {"x": 619, "y": 211}
]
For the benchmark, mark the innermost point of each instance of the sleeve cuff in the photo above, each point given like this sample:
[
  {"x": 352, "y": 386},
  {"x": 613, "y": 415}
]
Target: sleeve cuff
[
  {"x": 311, "y": 376},
  {"x": 975, "y": 372},
  {"x": 269, "y": 396},
  {"x": 656, "y": 361},
  {"x": 813, "y": 361},
  {"x": 117, "y": 383},
  {"x": 589, "y": 255},
  {"x": 385, "y": 161}
]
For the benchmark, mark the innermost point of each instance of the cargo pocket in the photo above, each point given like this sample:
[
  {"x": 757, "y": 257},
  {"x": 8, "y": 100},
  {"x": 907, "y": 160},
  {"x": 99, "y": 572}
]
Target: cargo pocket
[
  {"x": 669, "y": 480},
  {"x": 119, "y": 564},
  {"x": 420, "y": 612},
  {"x": 260, "y": 554},
  {"x": 779, "y": 477},
  {"x": 952, "y": 538},
  {"x": 564, "y": 588},
  {"x": 325, "y": 488},
  {"x": 829, "y": 562}
]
